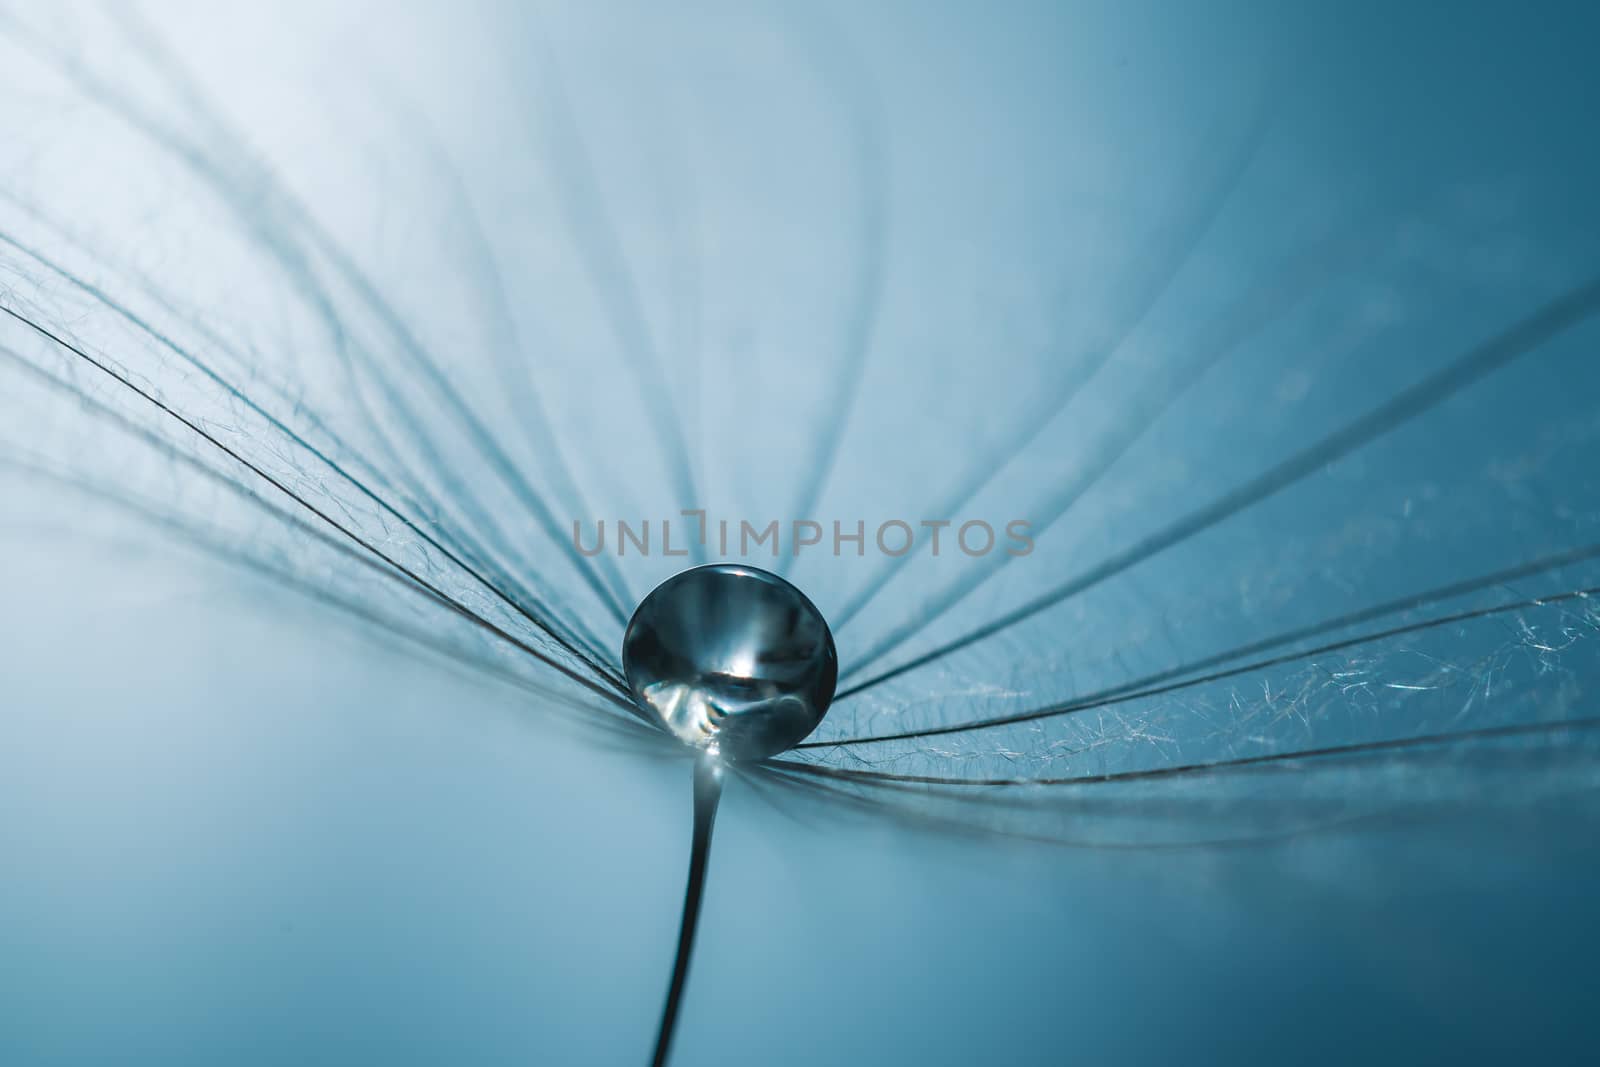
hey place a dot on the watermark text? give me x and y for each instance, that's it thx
(774, 538)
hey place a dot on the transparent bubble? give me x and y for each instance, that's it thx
(733, 658)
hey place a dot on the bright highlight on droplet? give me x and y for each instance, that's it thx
(732, 657)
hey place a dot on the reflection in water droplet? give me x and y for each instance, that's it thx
(731, 657)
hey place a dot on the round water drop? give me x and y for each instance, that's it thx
(733, 658)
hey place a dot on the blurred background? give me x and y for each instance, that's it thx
(326, 322)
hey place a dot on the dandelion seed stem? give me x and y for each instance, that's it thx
(707, 792)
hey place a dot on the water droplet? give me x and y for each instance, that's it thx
(731, 657)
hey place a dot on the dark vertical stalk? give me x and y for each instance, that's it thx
(707, 791)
